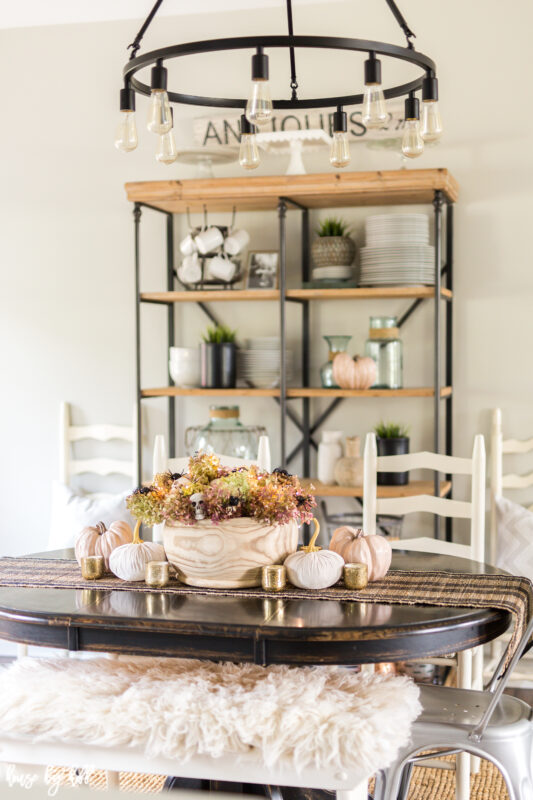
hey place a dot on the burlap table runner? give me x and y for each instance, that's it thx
(406, 587)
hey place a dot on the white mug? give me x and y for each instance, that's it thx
(190, 270)
(209, 240)
(187, 245)
(236, 242)
(221, 268)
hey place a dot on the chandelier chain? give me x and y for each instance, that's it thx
(135, 45)
(400, 19)
(294, 81)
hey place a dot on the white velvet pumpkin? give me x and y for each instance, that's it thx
(129, 561)
(314, 568)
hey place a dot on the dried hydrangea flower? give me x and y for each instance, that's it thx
(145, 504)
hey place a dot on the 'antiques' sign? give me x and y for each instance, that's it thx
(225, 130)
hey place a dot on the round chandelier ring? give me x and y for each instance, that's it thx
(253, 42)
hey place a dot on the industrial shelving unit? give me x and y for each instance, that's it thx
(302, 193)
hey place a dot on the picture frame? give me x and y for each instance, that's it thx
(263, 269)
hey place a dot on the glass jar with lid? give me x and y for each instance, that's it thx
(224, 434)
(385, 347)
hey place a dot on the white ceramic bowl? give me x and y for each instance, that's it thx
(184, 367)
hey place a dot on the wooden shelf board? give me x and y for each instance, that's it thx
(175, 391)
(211, 295)
(322, 190)
(418, 391)
(257, 295)
(409, 490)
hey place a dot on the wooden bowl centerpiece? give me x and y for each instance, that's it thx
(222, 525)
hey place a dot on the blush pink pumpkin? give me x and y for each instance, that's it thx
(97, 540)
(356, 548)
(354, 373)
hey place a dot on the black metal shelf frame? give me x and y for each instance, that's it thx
(442, 208)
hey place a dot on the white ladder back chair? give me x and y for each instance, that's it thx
(500, 481)
(469, 663)
(445, 507)
(69, 434)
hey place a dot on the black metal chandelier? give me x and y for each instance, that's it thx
(258, 108)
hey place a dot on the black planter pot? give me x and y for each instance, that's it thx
(218, 365)
(393, 447)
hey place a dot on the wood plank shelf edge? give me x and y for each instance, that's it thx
(262, 295)
(176, 391)
(409, 490)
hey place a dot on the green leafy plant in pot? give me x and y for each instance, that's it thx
(392, 440)
(218, 358)
(333, 247)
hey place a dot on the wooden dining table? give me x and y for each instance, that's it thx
(263, 631)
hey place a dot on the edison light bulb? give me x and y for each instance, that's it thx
(412, 142)
(166, 152)
(259, 105)
(431, 128)
(248, 154)
(126, 135)
(374, 111)
(339, 155)
(159, 114)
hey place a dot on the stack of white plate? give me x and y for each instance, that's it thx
(259, 363)
(397, 251)
(332, 273)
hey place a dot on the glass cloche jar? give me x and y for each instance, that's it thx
(224, 434)
(385, 347)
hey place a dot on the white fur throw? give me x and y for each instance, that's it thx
(310, 716)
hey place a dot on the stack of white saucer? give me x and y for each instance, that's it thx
(397, 251)
(259, 363)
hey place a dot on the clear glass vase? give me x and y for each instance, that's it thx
(336, 344)
(385, 347)
(224, 434)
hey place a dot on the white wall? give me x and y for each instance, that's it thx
(66, 229)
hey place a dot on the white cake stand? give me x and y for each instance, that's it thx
(293, 142)
(205, 158)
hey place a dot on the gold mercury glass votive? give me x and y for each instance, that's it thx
(273, 578)
(355, 576)
(157, 573)
(92, 567)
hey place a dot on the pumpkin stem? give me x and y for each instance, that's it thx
(136, 538)
(100, 527)
(311, 548)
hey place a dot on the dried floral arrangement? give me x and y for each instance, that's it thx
(222, 493)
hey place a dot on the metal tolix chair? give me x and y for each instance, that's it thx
(488, 724)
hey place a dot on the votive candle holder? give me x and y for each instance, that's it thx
(355, 576)
(274, 578)
(92, 567)
(157, 573)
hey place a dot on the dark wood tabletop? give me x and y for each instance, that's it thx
(268, 631)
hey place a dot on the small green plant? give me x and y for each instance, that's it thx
(332, 226)
(217, 334)
(391, 430)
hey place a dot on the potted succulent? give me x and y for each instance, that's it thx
(392, 440)
(333, 247)
(218, 358)
(223, 525)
